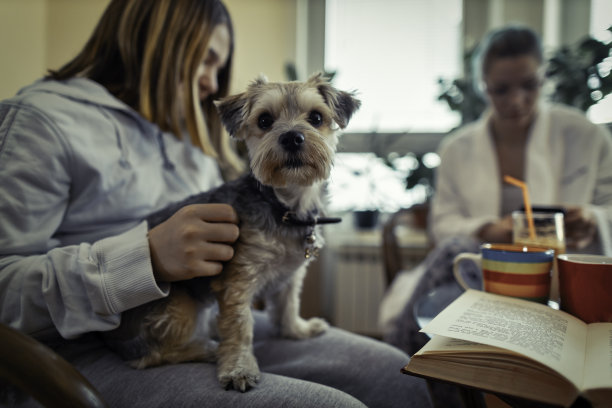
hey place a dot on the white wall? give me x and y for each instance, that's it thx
(69, 25)
(22, 46)
(265, 38)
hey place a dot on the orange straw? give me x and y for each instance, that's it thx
(523, 186)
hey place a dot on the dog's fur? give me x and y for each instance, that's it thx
(290, 133)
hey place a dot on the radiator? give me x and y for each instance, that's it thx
(358, 288)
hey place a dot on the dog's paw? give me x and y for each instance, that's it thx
(239, 379)
(304, 329)
(241, 375)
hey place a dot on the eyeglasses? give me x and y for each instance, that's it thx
(502, 90)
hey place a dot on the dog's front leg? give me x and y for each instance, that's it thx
(284, 309)
(236, 364)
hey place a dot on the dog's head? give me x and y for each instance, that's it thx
(289, 128)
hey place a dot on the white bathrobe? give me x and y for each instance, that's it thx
(568, 162)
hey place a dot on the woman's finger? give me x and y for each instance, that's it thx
(216, 252)
(219, 232)
(212, 212)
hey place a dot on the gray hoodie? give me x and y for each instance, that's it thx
(79, 171)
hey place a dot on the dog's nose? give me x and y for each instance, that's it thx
(291, 141)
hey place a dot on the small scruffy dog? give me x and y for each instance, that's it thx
(290, 133)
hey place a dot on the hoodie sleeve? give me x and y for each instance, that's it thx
(74, 289)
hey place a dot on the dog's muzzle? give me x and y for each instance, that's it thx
(291, 141)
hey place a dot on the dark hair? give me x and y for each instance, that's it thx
(512, 41)
(143, 50)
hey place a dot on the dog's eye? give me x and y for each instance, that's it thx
(315, 118)
(265, 121)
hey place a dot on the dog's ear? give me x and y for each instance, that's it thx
(232, 110)
(343, 104)
(261, 79)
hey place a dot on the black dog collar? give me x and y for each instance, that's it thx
(290, 218)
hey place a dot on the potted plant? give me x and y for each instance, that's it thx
(580, 76)
(365, 185)
(460, 94)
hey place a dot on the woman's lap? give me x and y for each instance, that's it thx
(336, 369)
(196, 385)
(366, 368)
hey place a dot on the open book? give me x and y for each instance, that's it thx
(520, 348)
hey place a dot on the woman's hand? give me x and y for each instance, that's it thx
(580, 227)
(497, 232)
(193, 242)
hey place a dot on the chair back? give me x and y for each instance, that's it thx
(38, 371)
(415, 218)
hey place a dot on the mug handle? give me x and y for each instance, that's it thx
(476, 258)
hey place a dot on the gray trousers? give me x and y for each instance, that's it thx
(336, 369)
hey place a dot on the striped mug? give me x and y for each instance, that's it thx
(511, 269)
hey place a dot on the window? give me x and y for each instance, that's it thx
(601, 19)
(393, 52)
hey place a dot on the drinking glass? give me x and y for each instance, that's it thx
(549, 233)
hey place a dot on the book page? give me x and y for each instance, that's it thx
(442, 344)
(549, 336)
(598, 371)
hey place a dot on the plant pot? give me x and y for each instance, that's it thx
(366, 219)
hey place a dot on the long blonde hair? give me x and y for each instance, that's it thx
(143, 50)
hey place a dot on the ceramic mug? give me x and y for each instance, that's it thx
(585, 283)
(509, 269)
